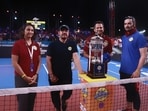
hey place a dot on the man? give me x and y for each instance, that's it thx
(132, 60)
(60, 54)
(107, 43)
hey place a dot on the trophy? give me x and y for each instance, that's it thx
(96, 67)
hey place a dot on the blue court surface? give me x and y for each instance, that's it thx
(7, 72)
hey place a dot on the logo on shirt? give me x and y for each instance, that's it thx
(34, 47)
(131, 39)
(69, 48)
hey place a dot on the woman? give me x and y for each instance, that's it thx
(26, 59)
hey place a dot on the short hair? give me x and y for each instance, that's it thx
(99, 22)
(132, 18)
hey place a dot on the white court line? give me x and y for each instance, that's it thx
(144, 73)
(45, 68)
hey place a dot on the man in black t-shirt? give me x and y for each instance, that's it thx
(60, 54)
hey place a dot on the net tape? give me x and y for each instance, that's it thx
(41, 89)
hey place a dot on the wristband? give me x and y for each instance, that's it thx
(24, 75)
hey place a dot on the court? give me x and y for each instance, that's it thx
(7, 72)
(43, 101)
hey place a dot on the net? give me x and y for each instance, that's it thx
(94, 96)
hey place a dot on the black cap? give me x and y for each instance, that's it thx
(63, 27)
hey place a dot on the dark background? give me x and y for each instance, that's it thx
(86, 11)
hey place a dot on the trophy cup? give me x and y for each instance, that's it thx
(96, 67)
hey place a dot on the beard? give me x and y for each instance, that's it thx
(129, 28)
(63, 38)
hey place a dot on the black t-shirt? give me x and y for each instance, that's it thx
(61, 54)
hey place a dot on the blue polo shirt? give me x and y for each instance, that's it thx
(130, 51)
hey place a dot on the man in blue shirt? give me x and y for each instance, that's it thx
(132, 60)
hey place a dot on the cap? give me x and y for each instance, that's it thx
(63, 27)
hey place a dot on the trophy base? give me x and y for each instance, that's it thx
(96, 77)
(97, 70)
